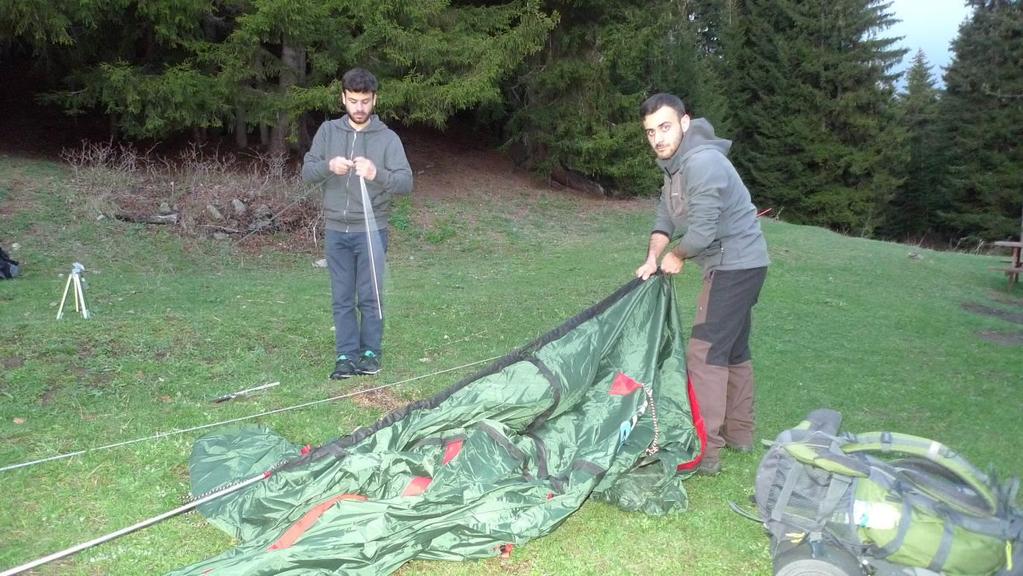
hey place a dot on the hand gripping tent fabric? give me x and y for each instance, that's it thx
(599, 407)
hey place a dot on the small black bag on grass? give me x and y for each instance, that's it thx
(8, 267)
(882, 503)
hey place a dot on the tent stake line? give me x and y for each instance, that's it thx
(233, 420)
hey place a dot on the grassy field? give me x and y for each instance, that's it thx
(875, 330)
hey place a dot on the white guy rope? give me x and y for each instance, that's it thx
(233, 420)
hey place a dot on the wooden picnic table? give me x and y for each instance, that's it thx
(1016, 265)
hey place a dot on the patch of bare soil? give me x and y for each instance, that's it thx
(447, 167)
(385, 400)
(1005, 298)
(1003, 338)
(450, 166)
(1007, 315)
(12, 362)
(995, 336)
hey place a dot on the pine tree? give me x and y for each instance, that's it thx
(37, 23)
(577, 104)
(913, 211)
(982, 120)
(249, 65)
(134, 62)
(812, 98)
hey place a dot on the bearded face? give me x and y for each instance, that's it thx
(359, 106)
(664, 130)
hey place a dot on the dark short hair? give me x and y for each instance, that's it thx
(658, 101)
(359, 80)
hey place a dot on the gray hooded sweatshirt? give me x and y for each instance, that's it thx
(704, 201)
(342, 195)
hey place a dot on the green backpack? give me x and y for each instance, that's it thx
(883, 503)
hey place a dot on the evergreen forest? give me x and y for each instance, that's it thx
(825, 130)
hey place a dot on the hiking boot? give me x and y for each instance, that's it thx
(369, 363)
(343, 368)
(708, 468)
(742, 448)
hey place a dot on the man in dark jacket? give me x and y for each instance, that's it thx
(704, 201)
(361, 165)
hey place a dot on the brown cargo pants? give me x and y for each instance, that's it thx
(718, 357)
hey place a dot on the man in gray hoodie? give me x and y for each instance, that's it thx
(361, 165)
(704, 202)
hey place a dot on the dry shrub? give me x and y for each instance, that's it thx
(189, 191)
(103, 173)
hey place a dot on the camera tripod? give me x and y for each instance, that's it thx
(75, 278)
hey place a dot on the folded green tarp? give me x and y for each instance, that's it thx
(599, 407)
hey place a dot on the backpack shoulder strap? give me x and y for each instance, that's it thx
(936, 452)
(825, 451)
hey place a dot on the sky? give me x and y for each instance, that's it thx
(930, 25)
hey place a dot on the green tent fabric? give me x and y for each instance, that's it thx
(599, 407)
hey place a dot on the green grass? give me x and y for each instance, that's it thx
(851, 324)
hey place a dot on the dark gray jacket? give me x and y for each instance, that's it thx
(705, 202)
(342, 195)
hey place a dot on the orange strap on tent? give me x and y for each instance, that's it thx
(291, 535)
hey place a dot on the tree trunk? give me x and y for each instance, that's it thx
(577, 181)
(292, 73)
(305, 137)
(241, 129)
(278, 133)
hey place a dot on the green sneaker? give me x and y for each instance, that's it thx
(343, 368)
(369, 363)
